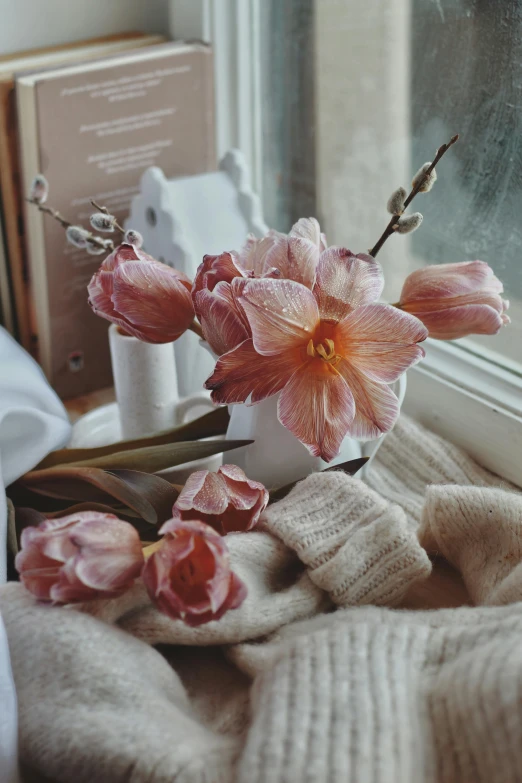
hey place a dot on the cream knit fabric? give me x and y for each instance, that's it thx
(306, 681)
(357, 547)
(411, 458)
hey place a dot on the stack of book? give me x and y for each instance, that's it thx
(90, 117)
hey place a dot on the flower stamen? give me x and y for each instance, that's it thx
(325, 349)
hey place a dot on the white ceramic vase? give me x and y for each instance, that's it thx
(277, 457)
(146, 386)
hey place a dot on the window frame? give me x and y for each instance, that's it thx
(459, 391)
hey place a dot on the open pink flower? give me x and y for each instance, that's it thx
(227, 500)
(79, 557)
(330, 352)
(454, 300)
(220, 279)
(291, 257)
(147, 299)
(189, 577)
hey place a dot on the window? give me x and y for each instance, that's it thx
(336, 103)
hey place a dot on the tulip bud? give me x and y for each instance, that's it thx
(102, 222)
(147, 299)
(227, 500)
(77, 236)
(408, 224)
(396, 201)
(429, 181)
(133, 237)
(455, 300)
(39, 189)
(79, 557)
(189, 577)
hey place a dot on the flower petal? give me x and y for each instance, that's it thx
(380, 341)
(40, 582)
(214, 269)
(222, 325)
(152, 299)
(234, 473)
(110, 555)
(376, 406)
(282, 314)
(242, 493)
(440, 281)
(258, 256)
(317, 406)
(303, 257)
(308, 228)
(109, 571)
(205, 492)
(344, 282)
(305, 244)
(452, 323)
(243, 371)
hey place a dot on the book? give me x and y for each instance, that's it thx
(10, 186)
(92, 130)
(6, 305)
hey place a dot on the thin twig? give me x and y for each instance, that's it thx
(390, 228)
(105, 211)
(94, 240)
(50, 211)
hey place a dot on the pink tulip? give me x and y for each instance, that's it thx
(79, 557)
(454, 300)
(220, 279)
(189, 577)
(227, 500)
(330, 351)
(149, 300)
(222, 320)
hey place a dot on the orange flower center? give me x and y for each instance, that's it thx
(324, 349)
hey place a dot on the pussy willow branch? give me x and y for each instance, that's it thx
(390, 228)
(105, 211)
(94, 240)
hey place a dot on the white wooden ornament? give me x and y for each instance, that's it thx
(184, 218)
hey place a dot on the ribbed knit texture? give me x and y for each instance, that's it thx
(411, 458)
(479, 531)
(289, 688)
(394, 698)
(358, 548)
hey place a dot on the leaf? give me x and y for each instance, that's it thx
(150, 496)
(351, 467)
(120, 511)
(207, 426)
(12, 538)
(153, 458)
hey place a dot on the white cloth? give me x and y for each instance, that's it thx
(8, 715)
(33, 422)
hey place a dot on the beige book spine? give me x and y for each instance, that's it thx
(34, 229)
(12, 208)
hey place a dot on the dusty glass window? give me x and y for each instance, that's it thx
(357, 95)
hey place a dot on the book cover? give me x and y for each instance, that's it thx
(6, 306)
(10, 185)
(92, 131)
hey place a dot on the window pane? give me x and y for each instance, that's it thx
(359, 95)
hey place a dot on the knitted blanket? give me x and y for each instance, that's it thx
(380, 643)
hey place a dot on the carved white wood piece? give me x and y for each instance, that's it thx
(184, 218)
